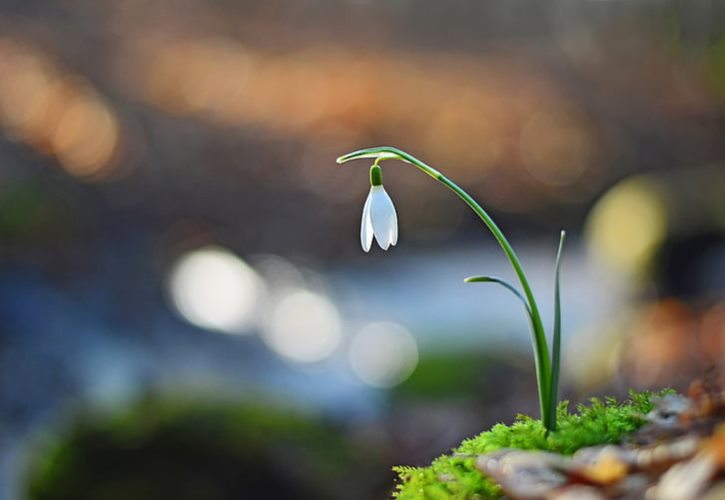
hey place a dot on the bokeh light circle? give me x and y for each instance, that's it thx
(627, 224)
(214, 289)
(303, 326)
(383, 354)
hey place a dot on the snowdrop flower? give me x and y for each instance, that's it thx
(378, 218)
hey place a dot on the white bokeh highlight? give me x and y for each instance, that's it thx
(383, 354)
(214, 289)
(303, 326)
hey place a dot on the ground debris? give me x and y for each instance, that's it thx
(525, 474)
(678, 455)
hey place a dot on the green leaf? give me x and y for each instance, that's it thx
(556, 343)
(508, 286)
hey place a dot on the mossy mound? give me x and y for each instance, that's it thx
(455, 476)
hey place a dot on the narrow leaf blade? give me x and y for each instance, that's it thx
(556, 342)
(508, 286)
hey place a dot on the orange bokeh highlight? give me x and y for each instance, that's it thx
(670, 342)
(467, 109)
(57, 113)
(86, 136)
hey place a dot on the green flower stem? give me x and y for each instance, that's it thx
(538, 337)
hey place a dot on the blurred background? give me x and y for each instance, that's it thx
(185, 310)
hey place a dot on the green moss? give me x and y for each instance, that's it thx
(455, 476)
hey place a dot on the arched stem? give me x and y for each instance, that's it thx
(538, 335)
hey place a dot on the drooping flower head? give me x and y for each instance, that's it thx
(379, 218)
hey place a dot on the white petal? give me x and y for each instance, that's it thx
(383, 217)
(394, 227)
(366, 226)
